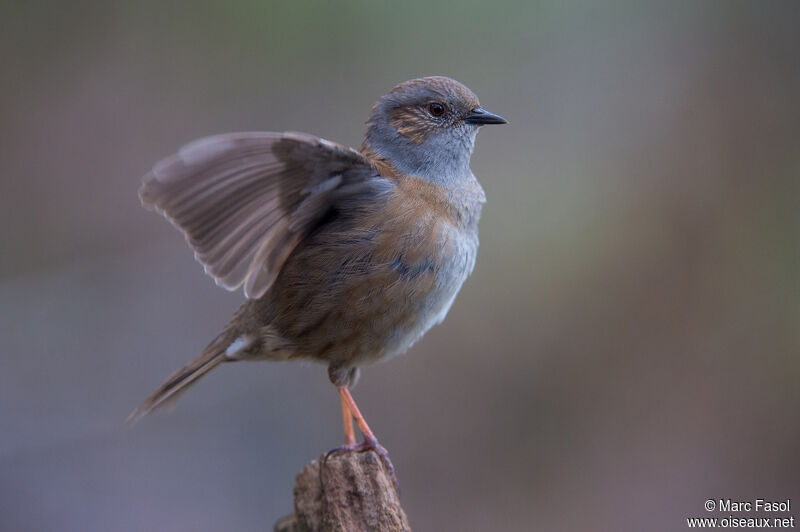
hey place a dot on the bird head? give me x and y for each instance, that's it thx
(426, 127)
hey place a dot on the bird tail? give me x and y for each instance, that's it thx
(180, 381)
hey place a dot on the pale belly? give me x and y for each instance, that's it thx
(432, 309)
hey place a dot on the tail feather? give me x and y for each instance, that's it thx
(180, 381)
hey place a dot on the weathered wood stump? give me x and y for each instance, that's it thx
(347, 492)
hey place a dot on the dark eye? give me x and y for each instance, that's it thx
(436, 109)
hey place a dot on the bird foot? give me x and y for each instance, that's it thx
(370, 444)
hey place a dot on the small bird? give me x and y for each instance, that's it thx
(346, 257)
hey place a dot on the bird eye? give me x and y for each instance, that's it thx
(436, 109)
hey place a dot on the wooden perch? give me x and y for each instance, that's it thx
(346, 492)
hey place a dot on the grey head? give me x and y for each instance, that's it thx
(426, 127)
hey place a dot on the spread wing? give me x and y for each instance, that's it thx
(245, 200)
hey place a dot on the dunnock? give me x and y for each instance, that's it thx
(347, 257)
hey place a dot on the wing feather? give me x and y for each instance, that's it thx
(245, 200)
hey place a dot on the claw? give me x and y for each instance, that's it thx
(370, 444)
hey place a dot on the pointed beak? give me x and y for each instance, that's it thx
(481, 117)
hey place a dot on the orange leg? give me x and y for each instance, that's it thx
(350, 403)
(349, 433)
(350, 411)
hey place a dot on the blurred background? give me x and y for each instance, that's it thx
(628, 346)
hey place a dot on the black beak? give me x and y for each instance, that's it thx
(481, 116)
